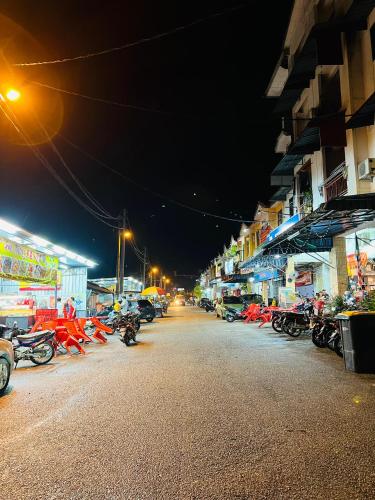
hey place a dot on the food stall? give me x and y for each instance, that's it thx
(35, 274)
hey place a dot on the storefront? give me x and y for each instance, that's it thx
(36, 274)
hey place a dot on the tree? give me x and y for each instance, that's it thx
(198, 292)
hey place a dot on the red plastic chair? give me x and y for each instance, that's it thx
(81, 322)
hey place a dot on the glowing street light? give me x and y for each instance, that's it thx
(128, 234)
(13, 95)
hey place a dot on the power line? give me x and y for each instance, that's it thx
(136, 43)
(154, 193)
(104, 101)
(48, 166)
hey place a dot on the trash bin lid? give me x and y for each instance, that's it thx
(355, 313)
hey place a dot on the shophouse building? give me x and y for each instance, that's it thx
(323, 87)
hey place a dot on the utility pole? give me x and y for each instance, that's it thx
(122, 253)
(144, 267)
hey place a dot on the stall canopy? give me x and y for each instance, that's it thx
(27, 257)
(98, 289)
(314, 232)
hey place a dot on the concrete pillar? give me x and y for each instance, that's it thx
(290, 274)
(338, 273)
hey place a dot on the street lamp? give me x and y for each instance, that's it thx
(13, 95)
(127, 234)
(154, 272)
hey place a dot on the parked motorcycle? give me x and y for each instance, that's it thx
(127, 325)
(209, 307)
(37, 347)
(294, 323)
(233, 314)
(326, 334)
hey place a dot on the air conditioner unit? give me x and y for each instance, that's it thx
(366, 169)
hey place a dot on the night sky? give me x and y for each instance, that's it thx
(212, 149)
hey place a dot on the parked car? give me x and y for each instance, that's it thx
(146, 310)
(252, 298)
(223, 303)
(6, 364)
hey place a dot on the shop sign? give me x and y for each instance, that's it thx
(304, 278)
(246, 270)
(283, 227)
(287, 296)
(352, 263)
(268, 274)
(22, 263)
(228, 266)
(264, 232)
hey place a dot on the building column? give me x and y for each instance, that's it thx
(290, 274)
(338, 271)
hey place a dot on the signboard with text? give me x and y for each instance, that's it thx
(22, 263)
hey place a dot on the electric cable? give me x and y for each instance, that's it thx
(154, 193)
(43, 160)
(104, 213)
(104, 101)
(135, 43)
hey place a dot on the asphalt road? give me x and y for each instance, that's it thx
(200, 408)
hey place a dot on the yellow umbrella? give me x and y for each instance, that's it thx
(153, 290)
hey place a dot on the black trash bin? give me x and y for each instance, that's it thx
(358, 340)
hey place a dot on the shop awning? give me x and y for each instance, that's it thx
(286, 164)
(365, 115)
(98, 289)
(314, 233)
(235, 278)
(322, 47)
(265, 261)
(307, 142)
(280, 193)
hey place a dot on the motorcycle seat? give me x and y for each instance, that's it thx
(32, 336)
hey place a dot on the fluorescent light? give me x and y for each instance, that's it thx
(9, 228)
(71, 255)
(17, 239)
(80, 259)
(48, 251)
(59, 250)
(277, 256)
(40, 241)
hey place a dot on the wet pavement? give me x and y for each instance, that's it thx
(200, 408)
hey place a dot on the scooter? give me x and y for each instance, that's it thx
(37, 347)
(209, 307)
(234, 314)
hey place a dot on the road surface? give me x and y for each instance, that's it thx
(200, 408)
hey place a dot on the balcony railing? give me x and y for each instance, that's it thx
(336, 184)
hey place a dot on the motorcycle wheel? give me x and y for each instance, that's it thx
(285, 326)
(277, 325)
(137, 325)
(229, 318)
(149, 320)
(318, 340)
(288, 328)
(49, 353)
(337, 345)
(4, 375)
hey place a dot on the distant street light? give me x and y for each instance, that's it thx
(128, 234)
